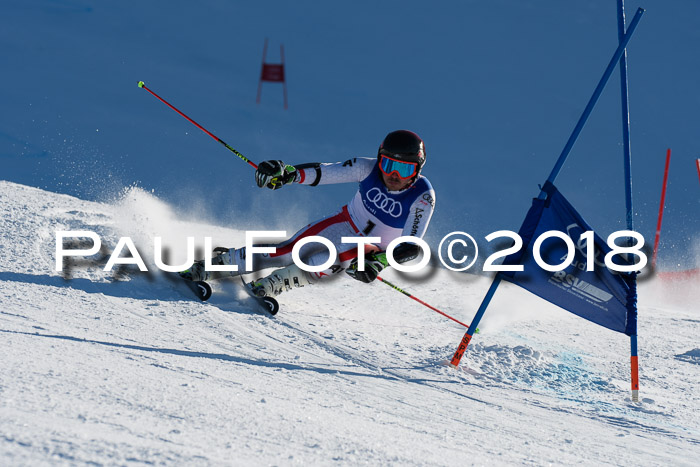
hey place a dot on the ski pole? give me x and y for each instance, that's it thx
(420, 301)
(245, 159)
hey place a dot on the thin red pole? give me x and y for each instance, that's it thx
(420, 301)
(245, 159)
(697, 162)
(661, 209)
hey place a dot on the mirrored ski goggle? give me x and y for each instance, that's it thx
(402, 169)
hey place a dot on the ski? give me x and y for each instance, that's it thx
(200, 288)
(203, 290)
(269, 304)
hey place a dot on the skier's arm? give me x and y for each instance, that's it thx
(352, 170)
(275, 174)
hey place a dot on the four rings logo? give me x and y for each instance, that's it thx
(384, 203)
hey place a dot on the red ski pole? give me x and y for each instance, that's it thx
(420, 301)
(245, 159)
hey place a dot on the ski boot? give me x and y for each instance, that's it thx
(279, 281)
(197, 272)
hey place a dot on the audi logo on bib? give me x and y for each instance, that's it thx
(384, 203)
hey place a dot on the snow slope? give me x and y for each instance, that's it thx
(126, 368)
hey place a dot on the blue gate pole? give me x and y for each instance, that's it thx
(625, 115)
(634, 364)
(624, 39)
(475, 322)
(553, 175)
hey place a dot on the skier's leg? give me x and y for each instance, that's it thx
(332, 228)
(237, 256)
(293, 276)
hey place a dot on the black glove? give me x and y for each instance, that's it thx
(274, 174)
(374, 263)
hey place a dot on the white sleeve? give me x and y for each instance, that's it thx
(352, 170)
(420, 214)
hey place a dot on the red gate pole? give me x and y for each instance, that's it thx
(284, 81)
(661, 210)
(262, 70)
(273, 73)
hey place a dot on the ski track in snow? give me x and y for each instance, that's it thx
(127, 367)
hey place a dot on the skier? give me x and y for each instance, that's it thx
(393, 200)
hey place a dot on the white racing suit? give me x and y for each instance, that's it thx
(373, 212)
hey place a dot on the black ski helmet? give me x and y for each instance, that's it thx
(405, 146)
